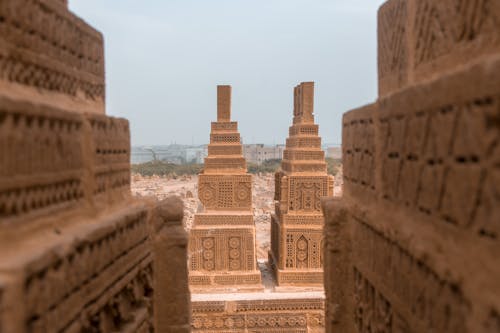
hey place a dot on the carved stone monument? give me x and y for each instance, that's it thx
(76, 249)
(222, 240)
(413, 245)
(297, 226)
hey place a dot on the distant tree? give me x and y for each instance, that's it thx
(266, 166)
(163, 168)
(333, 165)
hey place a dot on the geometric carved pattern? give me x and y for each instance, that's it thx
(372, 312)
(416, 295)
(107, 274)
(222, 248)
(392, 45)
(295, 315)
(222, 239)
(44, 158)
(76, 250)
(306, 193)
(225, 192)
(296, 228)
(69, 62)
(427, 153)
(451, 24)
(358, 150)
(419, 40)
(208, 253)
(417, 229)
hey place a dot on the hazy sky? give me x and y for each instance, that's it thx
(164, 59)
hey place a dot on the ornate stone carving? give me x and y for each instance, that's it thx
(76, 250)
(222, 240)
(44, 46)
(421, 40)
(292, 315)
(297, 226)
(416, 231)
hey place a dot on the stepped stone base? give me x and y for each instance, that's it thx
(273, 310)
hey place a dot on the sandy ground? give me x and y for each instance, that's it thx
(186, 188)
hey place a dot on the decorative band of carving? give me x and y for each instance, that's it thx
(358, 150)
(221, 163)
(225, 126)
(303, 142)
(42, 162)
(428, 147)
(303, 129)
(123, 245)
(295, 304)
(226, 220)
(222, 279)
(226, 149)
(303, 166)
(406, 282)
(316, 220)
(289, 154)
(291, 323)
(419, 40)
(303, 278)
(45, 46)
(225, 138)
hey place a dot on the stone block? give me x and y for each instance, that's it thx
(223, 103)
(51, 55)
(420, 41)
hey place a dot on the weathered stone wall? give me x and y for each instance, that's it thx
(77, 252)
(419, 40)
(413, 244)
(51, 55)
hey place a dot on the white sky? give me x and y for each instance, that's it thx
(164, 59)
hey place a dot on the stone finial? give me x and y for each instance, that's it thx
(303, 103)
(307, 100)
(224, 103)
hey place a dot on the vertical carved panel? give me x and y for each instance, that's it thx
(208, 253)
(372, 312)
(448, 25)
(393, 46)
(235, 254)
(301, 252)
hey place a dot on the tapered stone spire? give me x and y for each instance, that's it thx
(222, 242)
(297, 225)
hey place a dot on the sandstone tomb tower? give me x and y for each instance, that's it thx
(222, 240)
(297, 225)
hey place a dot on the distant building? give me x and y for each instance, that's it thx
(174, 153)
(258, 153)
(196, 154)
(334, 152)
(141, 155)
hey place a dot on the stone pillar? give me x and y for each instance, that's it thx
(223, 103)
(172, 310)
(307, 101)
